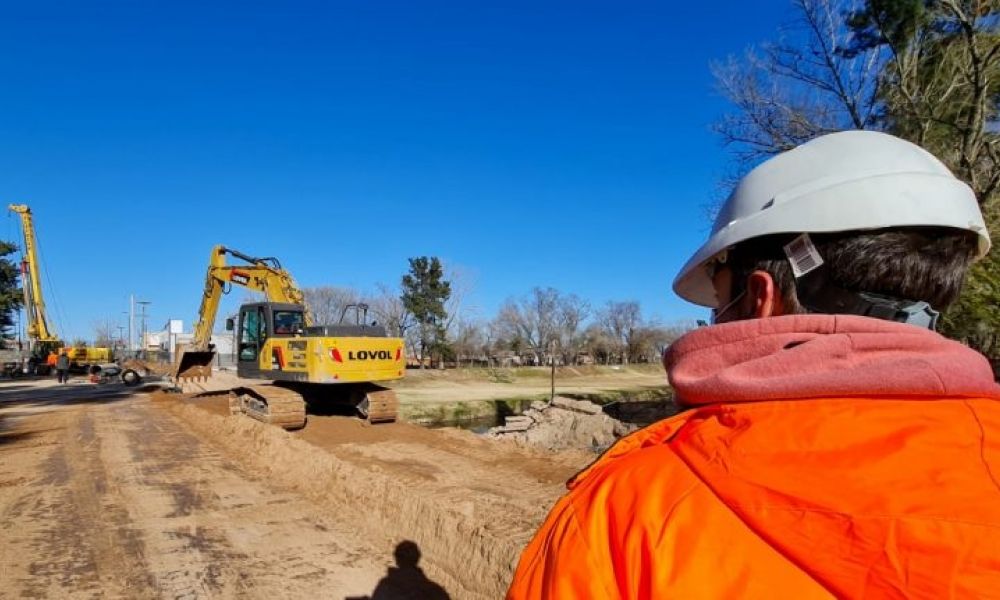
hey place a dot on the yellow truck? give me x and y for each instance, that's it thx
(89, 355)
(277, 341)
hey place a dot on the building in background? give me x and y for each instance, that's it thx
(172, 334)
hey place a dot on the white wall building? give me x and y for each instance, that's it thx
(173, 333)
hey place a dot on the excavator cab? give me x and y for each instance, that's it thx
(258, 323)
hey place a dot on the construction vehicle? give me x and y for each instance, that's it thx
(276, 340)
(42, 341)
(43, 344)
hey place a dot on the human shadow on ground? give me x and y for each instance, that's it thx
(406, 581)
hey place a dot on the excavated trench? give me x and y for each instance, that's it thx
(471, 504)
(471, 501)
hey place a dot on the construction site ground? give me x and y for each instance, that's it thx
(108, 491)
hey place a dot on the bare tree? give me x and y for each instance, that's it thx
(620, 321)
(651, 340)
(494, 341)
(543, 306)
(790, 91)
(536, 320)
(468, 341)
(572, 312)
(513, 323)
(463, 284)
(327, 303)
(507, 331)
(388, 308)
(104, 332)
(598, 344)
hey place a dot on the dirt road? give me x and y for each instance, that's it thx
(105, 494)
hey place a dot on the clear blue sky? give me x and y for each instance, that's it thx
(531, 143)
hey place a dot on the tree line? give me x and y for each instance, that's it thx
(544, 325)
(11, 296)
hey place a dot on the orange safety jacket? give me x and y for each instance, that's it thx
(823, 456)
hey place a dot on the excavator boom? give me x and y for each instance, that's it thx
(258, 274)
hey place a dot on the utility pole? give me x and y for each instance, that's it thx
(233, 350)
(552, 357)
(131, 320)
(126, 346)
(142, 318)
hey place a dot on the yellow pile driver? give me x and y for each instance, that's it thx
(276, 340)
(44, 345)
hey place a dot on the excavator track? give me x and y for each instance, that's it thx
(270, 404)
(379, 406)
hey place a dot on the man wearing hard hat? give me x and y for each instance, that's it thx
(834, 445)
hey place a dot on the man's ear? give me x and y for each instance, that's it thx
(764, 295)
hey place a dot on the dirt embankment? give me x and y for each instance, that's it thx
(470, 504)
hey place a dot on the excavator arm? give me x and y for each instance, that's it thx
(263, 275)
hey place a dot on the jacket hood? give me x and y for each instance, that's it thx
(817, 356)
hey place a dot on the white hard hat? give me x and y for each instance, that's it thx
(847, 181)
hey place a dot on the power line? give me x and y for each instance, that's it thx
(58, 315)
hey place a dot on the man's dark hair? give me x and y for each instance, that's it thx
(915, 263)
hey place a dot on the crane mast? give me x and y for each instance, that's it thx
(34, 302)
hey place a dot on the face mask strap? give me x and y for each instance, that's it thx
(718, 312)
(818, 295)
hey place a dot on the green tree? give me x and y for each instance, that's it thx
(10, 293)
(424, 293)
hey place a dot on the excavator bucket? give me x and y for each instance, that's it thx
(194, 365)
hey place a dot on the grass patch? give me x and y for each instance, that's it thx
(443, 413)
(516, 374)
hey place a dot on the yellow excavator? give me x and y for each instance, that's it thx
(44, 345)
(277, 341)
